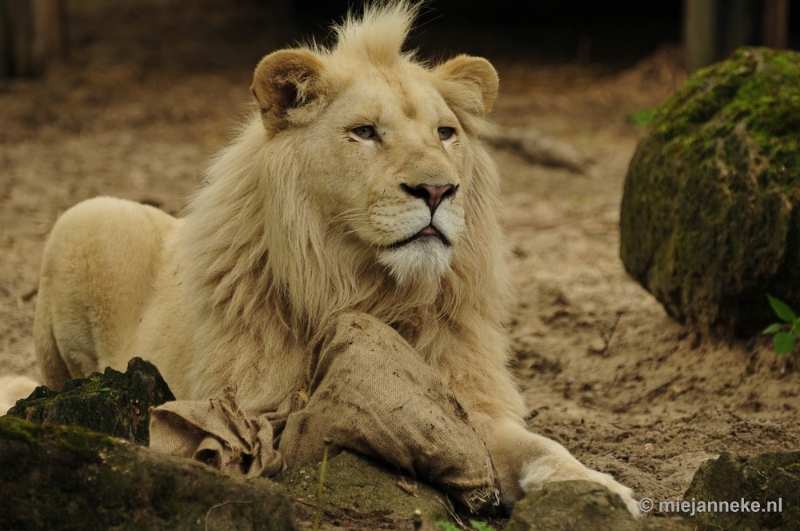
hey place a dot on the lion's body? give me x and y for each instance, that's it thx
(301, 218)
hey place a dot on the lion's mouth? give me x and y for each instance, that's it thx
(428, 232)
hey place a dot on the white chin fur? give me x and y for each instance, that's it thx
(423, 260)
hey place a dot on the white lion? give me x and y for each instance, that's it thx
(361, 184)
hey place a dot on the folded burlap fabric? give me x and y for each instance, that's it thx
(217, 433)
(369, 391)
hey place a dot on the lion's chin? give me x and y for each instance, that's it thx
(423, 260)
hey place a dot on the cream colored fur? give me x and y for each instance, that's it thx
(297, 221)
(13, 388)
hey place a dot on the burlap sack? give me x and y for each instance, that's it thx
(217, 433)
(372, 393)
(369, 392)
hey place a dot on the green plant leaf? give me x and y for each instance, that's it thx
(642, 118)
(480, 526)
(446, 526)
(773, 328)
(784, 343)
(782, 309)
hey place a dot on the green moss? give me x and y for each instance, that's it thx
(75, 439)
(18, 430)
(82, 388)
(83, 441)
(707, 214)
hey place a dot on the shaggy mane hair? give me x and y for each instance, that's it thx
(378, 36)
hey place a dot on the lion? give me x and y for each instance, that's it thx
(361, 183)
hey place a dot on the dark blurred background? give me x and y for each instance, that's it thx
(614, 34)
(586, 31)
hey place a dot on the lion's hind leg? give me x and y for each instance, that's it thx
(76, 357)
(51, 364)
(97, 275)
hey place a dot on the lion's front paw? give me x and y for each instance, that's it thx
(621, 490)
(542, 471)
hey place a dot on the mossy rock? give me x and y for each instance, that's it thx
(362, 492)
(569, 505)
(709, 221)
(765, 479)
(113, 403)
(63, 477)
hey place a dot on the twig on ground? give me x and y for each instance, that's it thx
(208, 513)
(321, 485)
(540, 149)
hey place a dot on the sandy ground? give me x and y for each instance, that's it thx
(603, 369)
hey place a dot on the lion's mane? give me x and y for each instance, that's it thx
(262, 258)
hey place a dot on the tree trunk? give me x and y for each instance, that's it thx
(776, 24)
(32, 32)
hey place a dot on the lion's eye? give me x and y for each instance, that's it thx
(446, 132)
(365, 131)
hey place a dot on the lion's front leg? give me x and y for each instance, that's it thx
(526, 461)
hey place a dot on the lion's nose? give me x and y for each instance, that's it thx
(432, 194)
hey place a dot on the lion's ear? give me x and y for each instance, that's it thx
(470, 84)
(289, 88)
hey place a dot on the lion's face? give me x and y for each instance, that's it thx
(389, 166)
(392, 174)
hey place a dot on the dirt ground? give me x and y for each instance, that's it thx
(147, 97)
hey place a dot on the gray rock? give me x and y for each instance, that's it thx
(361, 490)
(710, 219)
(61, 477)
(765, 478)
(112, 403)
(571, 505)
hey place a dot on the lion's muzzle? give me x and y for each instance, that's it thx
(428, 232)
(432, 194)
